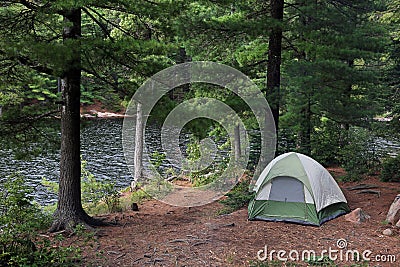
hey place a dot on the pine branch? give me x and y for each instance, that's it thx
(110, 22)
(23, 60)
(29, 4)
(101, 25)
(30, 119)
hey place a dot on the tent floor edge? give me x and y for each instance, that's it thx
(285, 220)
(333, 211)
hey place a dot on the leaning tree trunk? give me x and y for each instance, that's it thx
(69, 207)
(274, 60)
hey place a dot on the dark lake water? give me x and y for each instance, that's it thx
(102, 149)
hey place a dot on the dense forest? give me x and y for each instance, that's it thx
(330, 71)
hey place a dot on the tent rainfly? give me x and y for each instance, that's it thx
(296, 188)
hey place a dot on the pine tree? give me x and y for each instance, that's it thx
(63, 38)
(334, 46)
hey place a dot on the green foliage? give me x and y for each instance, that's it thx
(237, 198)
(274, 263)
(27, 132)
(326, 142)
(321, 261)
(42, 88)
(157, 159)
(358, 156)
(206, 176)
(286, 140)
(93, 191)
(193, 150)
(139, 196)
(87, 97)
(158, 187)
(390, 169)
(20, 222)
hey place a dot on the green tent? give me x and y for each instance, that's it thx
(296, 188)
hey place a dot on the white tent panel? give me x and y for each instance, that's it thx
(307, 195)
(264, 193)
(325, 189)
(267, 169)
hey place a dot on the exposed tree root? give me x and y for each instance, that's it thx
(68, 222)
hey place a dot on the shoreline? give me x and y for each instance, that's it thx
(97, 111)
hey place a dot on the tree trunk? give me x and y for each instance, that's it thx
(69, 211)
(345, 125)
(138, 146)
(237, 145)
(274, 60)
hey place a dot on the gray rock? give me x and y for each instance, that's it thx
(388, 232)
(393, 215)
(357, 216)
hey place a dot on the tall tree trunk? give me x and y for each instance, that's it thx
(138, 158)
(69, 207)
(274, 60)
(178, 94)
(237, 144)
(345, 125)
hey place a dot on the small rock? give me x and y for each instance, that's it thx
(212, 226)
(134, 207)
(357, 216)
(388, 232)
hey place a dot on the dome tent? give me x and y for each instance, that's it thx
(296, 188)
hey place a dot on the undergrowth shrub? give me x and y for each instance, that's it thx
(359, 154)
(390, 169)
(326, 142)
(93, 191)
(273, 263)
(139, 196)
(237, 198)
(20, 222)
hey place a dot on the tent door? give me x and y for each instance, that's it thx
(288, 193)
(287, 189)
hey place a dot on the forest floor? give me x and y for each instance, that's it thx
(163, 235)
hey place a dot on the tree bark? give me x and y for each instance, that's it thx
(138, 159)
(69, 211)
(274, 60)
(237, 145)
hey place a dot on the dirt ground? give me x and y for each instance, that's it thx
(163, 235)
